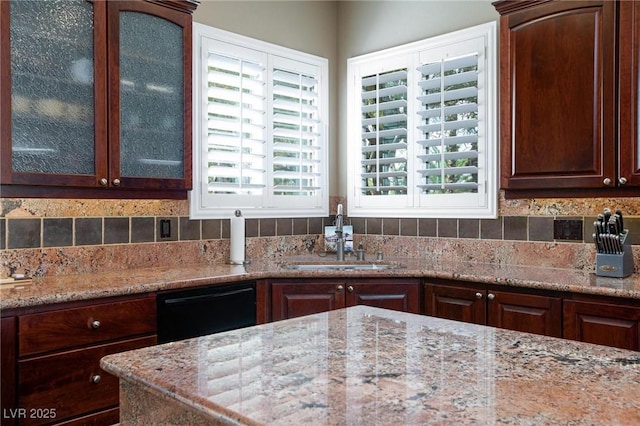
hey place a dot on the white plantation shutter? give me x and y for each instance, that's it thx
(449, 129)
(422, 130)
(259, 129)
(236, 125)
(297, 132)
(384, 133)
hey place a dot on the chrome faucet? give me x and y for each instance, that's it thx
(339, 234)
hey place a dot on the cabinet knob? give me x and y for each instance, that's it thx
(95, 324)
(491, 296)
(340, 287)
(607, 181)
(622, 180)
(116, 182)
(104, 182)
(350, 289)
(96, 379)
(478, 295)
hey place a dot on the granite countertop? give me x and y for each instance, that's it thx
(366, 365)
(65, 288)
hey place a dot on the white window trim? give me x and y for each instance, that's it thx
(414, 204)
(272, 206)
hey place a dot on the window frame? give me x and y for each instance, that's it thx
(415, 203)
(268, 205)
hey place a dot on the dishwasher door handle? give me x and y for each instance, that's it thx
(206, 297)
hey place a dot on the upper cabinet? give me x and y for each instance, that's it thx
(96, 98)
(629, 55)
(561, 129)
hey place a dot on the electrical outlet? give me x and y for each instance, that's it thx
(567, 229)
(165, 228)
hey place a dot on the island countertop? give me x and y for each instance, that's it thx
(365, 365)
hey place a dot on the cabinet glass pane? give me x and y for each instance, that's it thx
(52, 98)
(151, 97)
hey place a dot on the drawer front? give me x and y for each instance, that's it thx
(66, 328)
(71, 383)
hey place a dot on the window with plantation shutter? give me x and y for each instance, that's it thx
(422, 132)
(260, 128)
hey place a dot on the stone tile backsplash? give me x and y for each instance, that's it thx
(52, 236)
(20, 233)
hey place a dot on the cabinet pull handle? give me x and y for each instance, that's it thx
(478, 295)
(491, 296)
(96, 379)
(340, 287)
(104, 182)
(622, 180)
(116, 182)
(95, 324)
(350, 289)
(607, 181)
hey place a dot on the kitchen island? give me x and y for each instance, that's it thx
(366, 365)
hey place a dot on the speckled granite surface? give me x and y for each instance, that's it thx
(65, 288)
(370, 366)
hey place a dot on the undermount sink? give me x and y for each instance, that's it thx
(343, 267)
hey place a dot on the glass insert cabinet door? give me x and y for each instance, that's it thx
(153, 62)
(96, 94)
(52, 133)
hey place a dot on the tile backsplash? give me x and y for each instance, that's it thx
(45, 236)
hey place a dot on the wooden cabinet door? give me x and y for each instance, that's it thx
(525, 312)
(557, 91)
(52, 94)
(399, 296)
(71, 382)
(8, 358)
(150, 61)
(629, 140)
(456, 303)
(290, 300)
(602, 323)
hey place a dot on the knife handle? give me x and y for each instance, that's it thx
(620, 220)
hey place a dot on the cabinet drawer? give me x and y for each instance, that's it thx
(66, 328)
(71, 383)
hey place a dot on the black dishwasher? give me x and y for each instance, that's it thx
(199, 311)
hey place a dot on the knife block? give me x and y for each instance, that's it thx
(616, 265)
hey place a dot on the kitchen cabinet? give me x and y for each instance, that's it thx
(604, 322)
(294, 298)
(7, 370)
(558, 113)
(58, 352)
(476, 303)
(100, 107)
(628, 94)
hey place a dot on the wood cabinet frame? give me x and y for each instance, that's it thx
(107, 113)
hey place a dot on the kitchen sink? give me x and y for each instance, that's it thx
(342, 266)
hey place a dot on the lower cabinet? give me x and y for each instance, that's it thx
(612, 323)
(481, 304)
(295, 297)
(8, 355)
(57, 361)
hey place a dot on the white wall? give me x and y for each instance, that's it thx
(338, 30)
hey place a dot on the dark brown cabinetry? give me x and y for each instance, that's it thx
(102, 110)
(8, 349)
(475, 303)
(628, 95)
(294, 298)
(612, 323)
(58, 352)
(558, 96)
